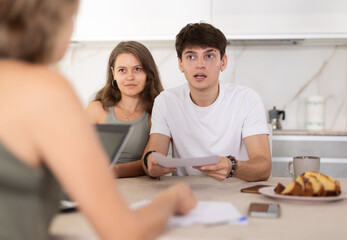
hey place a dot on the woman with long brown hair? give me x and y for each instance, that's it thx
(46, 139)
(132, 83)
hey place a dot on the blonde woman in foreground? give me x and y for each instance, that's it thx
(46, 139)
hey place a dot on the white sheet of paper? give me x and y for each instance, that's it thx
(184, 162)
(207, 213)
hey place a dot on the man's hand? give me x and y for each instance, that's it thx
(217, 171)
(155, 170)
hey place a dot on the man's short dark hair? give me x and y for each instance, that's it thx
(200, 35)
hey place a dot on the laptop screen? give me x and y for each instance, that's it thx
(113, 138)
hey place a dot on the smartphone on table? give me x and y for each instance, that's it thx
(264, 210)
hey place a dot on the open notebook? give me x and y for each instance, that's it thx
(113, 138)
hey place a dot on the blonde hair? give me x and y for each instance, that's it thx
(29, 28)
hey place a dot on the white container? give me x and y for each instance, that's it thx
(315, 113)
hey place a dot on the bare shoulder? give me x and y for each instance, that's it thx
(32, 86)
(96, 113)
(34, 81)
(95, 106)
(35, 100)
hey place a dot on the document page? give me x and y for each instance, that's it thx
(184, 162)
(207, 213)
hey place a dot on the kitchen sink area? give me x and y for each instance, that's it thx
(331, 147)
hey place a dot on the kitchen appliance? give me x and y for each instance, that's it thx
(274, 118)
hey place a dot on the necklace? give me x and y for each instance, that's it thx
(127, 117)
(126, 114)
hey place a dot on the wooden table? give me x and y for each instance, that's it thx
(298, 220)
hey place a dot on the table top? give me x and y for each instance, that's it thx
(298, 220)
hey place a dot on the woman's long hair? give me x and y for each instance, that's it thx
(110, 94)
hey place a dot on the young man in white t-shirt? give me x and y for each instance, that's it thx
(206, 117)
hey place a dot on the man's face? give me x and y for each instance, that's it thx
(201, 67)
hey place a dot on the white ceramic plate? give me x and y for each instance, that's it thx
(269, 192)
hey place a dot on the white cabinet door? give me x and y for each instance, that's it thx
(137, 19)
(280, 17)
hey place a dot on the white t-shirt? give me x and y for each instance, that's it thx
(218, 129)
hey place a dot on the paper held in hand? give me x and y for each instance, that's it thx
(184, 162)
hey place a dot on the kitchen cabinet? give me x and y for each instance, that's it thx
(285, 19)
(112, 20)
(332, 149)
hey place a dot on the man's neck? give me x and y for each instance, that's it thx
(206, 97)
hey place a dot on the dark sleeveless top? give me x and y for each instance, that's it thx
(29, 198)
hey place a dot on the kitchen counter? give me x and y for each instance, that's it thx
(331, 147)
(310, 133)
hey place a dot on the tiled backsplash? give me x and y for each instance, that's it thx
(283, 75)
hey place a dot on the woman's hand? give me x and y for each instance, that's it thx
(186, 200)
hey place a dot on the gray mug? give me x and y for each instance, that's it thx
(302, 164)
